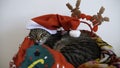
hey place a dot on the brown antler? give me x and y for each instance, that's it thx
(78, 3)
(69, 6)
(99, 18)
(75, 11)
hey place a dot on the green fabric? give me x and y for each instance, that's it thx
(31, 57)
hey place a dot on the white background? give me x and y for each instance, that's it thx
(14, 15)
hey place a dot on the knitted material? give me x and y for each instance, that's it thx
(19, 57)
(37, 53)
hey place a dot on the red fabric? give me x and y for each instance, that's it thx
(59, 59)
(82, 16)
(95, 28)
(18, 59)
(54, 21)
(88, 17)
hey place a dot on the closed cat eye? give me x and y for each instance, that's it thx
(42, 35)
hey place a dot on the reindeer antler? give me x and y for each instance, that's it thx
(99, 18)
(78, 4)
(69, 6)
(75, 11)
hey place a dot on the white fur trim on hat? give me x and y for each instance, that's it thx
(32, 25)
(74, 33)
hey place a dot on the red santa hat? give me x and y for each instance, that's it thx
(52, 22)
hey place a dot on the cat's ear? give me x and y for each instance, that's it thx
(75, 33)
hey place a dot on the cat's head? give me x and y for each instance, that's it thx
(39, 35)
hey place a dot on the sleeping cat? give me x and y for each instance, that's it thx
(76, 50)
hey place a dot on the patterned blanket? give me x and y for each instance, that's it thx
(108, 58)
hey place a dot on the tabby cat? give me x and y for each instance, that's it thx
(39, 35)
(76, 50)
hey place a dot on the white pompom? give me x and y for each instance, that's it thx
(74, 33)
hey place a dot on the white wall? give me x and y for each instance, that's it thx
(15, 13)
